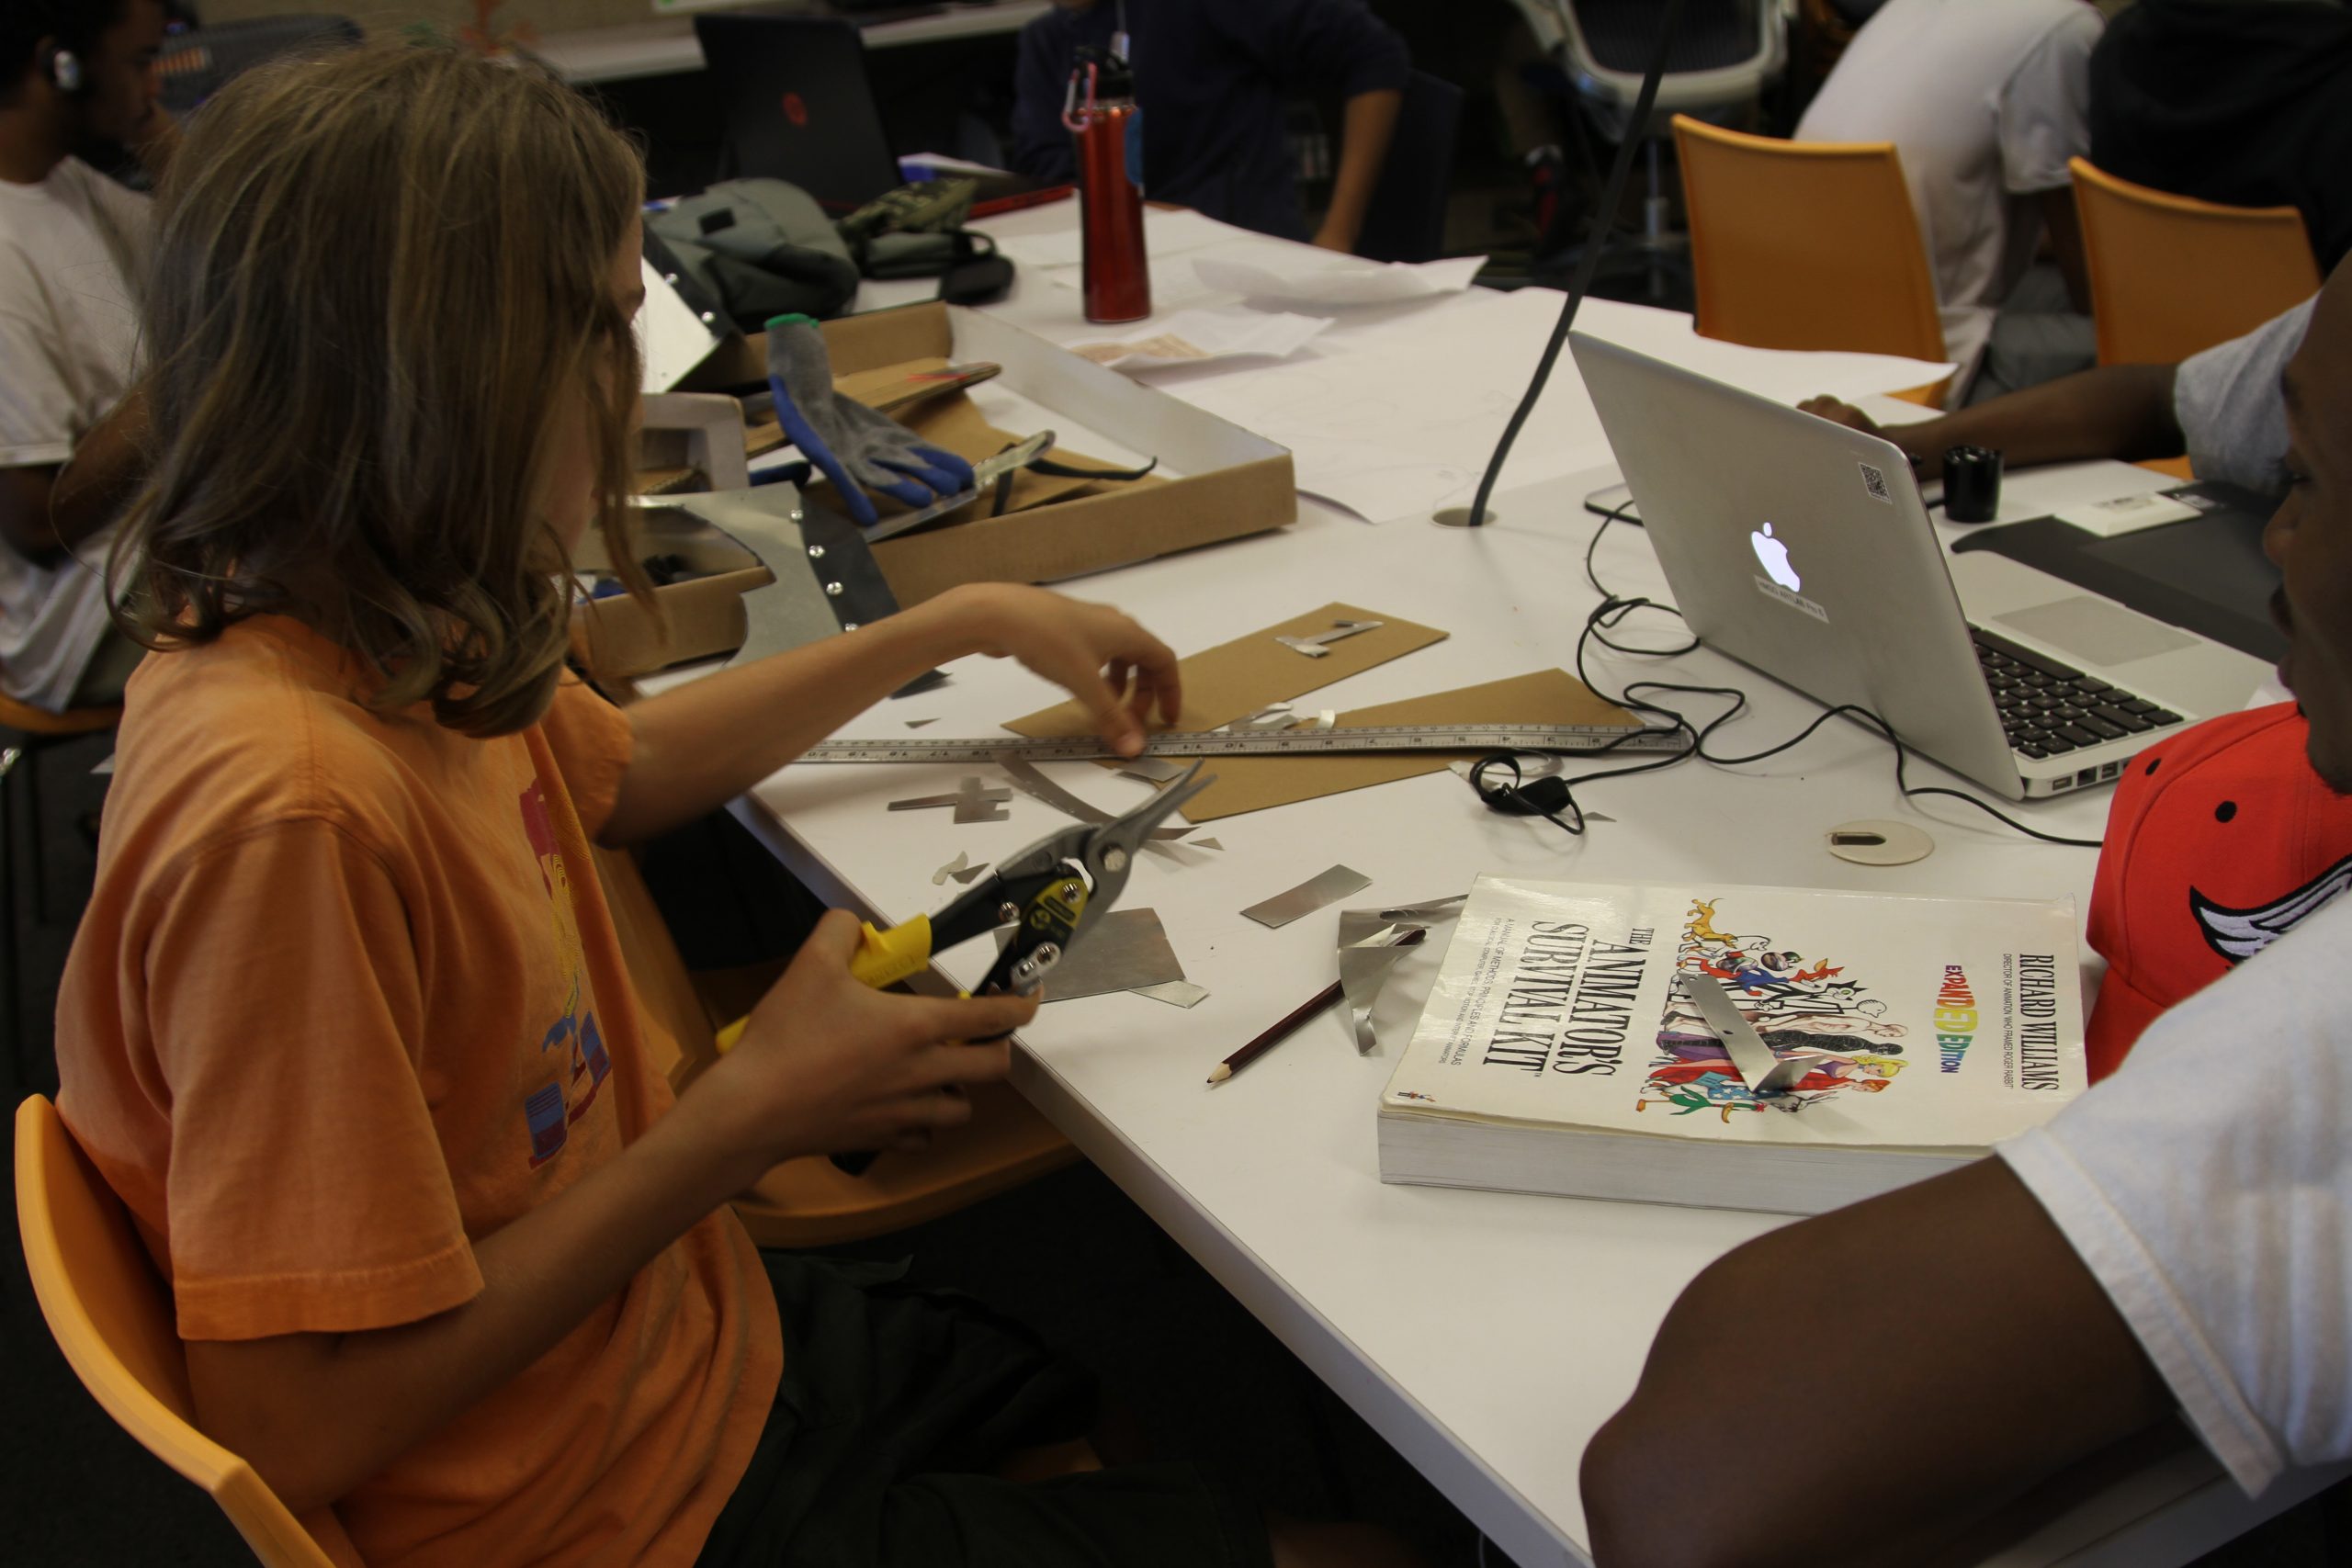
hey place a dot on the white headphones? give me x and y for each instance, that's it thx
(65, 70)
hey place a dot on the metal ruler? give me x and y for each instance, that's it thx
(1263, 743)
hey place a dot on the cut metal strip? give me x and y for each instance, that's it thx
(1764, 1072)
(1038, 787)
(1368, 954)
(1327, 887)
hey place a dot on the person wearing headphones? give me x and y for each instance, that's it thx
(73, 73)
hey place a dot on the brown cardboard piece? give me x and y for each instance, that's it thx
(703, 616)
(1546, 696)
(1236, 679)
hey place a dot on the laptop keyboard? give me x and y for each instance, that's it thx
(2049, 708)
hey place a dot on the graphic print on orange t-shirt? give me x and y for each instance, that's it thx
(550, 1111)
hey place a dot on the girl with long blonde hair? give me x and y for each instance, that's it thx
(346, 1025)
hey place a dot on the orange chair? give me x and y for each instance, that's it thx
(2170, 276)
(113, 1320)
(809, 1202)
(1806, 245)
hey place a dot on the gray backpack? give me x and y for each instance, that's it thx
(755, 248)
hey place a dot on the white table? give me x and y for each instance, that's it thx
(1486, 1335)
(667, 46)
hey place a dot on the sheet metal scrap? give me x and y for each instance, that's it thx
(1368, 954)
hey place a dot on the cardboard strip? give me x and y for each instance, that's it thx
(1236, 679)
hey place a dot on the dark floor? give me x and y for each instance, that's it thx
(1068, 1254)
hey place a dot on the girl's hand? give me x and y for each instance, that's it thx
(826, 1064)
(1117, 671)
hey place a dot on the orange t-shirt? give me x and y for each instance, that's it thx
(347, 999)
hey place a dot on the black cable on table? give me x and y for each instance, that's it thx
(1553, 799)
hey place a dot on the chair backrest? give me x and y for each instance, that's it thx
(26, 719)
(2171, 276)
(113, 1320)
(1405, 221)
(1805, 245)
(1723, 53)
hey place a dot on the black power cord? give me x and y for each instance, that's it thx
(1553, 798)
(1636, 129)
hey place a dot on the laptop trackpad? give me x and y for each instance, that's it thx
(2098, 632)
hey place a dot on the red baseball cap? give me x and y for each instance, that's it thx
(2219, 841)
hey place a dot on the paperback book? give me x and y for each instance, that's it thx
(1560, 1053)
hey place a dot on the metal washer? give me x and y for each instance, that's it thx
(1873, 842)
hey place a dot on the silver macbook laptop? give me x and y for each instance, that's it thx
(1802, 547)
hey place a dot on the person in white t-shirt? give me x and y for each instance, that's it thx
(73, 244)
(1984, 100)
(2176, 1243)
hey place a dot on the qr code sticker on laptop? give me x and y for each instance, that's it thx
(1875, 482)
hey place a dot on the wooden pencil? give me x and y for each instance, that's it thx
(1297, 1016)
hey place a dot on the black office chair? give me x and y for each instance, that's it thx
(1724, 55)
(1406, 220)
(199, 62)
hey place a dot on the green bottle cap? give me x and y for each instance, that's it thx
(775, 322)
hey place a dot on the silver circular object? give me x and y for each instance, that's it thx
(816, 552)
(1877, 843)
(1041, 958)
(834, 590)
(1114, 860)
(1459, 517)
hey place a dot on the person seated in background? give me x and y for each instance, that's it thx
(2176, 1242)
(72, 247)
(1984, 100)
(2228, 102)
(2222, 408)
(1212, 78)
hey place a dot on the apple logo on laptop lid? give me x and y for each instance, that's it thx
(1775, 557)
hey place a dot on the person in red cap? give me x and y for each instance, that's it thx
(2173, 1244)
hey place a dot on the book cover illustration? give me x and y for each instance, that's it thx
(1924, 1022)
(1801, 1007)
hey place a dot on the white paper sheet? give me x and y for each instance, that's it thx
(1323, 279)
(1199, 337)
(1403, 422)
(1165, 233)
(2127, 515)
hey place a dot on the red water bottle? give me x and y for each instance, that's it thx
(1108, 130)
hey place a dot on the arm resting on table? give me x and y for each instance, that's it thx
(2124, 411)
(1942, 1347)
